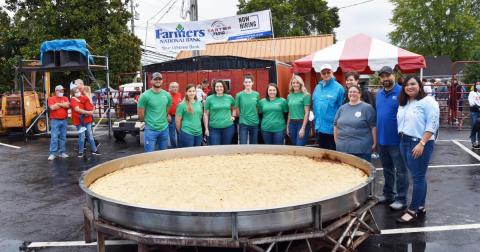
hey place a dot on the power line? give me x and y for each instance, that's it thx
(355, 4)
(171, 6)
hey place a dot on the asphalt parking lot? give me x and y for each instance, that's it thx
(40, 200)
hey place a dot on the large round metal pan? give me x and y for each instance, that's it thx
(231, 223)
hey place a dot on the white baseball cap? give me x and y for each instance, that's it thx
(325, 66)
(58, 87)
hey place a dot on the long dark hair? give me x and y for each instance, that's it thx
(403, 99)
(267, 97)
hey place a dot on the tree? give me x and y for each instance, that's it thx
(446, 27)
(102, 23)
(296, 17)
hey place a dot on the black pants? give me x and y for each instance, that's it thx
(326, 141)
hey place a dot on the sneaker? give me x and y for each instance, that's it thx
(64, 155)
(51, 157)
(384, 200)
(81, 155)
(475, 146)
(82, 129)
(397, 205)
(96, 153)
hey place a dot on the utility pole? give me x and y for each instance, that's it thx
(132, 22)
(194, 17)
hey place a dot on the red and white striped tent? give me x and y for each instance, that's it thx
(363, 54)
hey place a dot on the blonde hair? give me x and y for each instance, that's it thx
(87, 91)
(300, 81)
(187, 101)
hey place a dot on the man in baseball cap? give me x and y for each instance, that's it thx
(58, 106)
(327, 98)
(153, 106)
(394, 169)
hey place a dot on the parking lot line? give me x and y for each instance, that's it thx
(77, 243)
(442, 166)
(429, 229)
(11, 146)
(467, 150)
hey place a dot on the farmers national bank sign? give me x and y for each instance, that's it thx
(195, 35)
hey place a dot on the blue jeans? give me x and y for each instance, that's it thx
(248, 131)
(273, 137)
(394, 172)
(81, 138)
(172, 133)
(154, 139)
(221, 136)
(187, 140)
(293, 128)
(474, 134)
(418, 169)
(365, 156)
(58, 136)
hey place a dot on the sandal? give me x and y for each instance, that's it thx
(408, 217)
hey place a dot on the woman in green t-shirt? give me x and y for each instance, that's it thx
(272, 109)
(188, 119)
(219, 115)
(298, 126)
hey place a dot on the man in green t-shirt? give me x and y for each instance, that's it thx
(246, 102)
(153, 107)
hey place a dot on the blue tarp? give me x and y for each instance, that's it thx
(79, 45)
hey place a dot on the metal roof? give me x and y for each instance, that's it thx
(285, 49)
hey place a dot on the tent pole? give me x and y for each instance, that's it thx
(421, 73)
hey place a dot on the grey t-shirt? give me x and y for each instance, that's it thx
(354, 128)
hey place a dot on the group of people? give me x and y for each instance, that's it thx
(402, 127)
(192, 115)
(82, 110)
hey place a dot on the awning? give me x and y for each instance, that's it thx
(360, 53)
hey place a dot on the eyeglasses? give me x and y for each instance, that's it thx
(326, 73)
(412, 83)
(158, 79)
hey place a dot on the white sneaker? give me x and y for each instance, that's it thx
(51, 157)
(82, 129)
(64, 155)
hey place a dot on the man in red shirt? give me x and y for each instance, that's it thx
(78, 103)
(177, 97)
(58, 109)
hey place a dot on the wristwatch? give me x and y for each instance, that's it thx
(422, 142)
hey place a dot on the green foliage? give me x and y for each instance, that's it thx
(102, 23)
(447, 27)
(296, 17)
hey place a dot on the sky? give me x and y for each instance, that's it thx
(371, 17)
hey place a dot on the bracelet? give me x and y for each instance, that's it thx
(422, 143)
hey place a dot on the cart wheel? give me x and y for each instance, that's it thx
(41, 125)
(119, 135)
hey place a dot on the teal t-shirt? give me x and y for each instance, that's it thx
(156, 106)
(273, 119)
(296, 105)
(191, 122)
(219, 111)
(247, 104)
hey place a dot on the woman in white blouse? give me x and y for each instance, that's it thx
(418, 122)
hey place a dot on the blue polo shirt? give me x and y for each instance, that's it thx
(326, 100)
(387, 107)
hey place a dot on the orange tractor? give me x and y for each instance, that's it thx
(11, 112)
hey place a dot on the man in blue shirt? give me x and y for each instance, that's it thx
(394, 169)
(327, 98)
